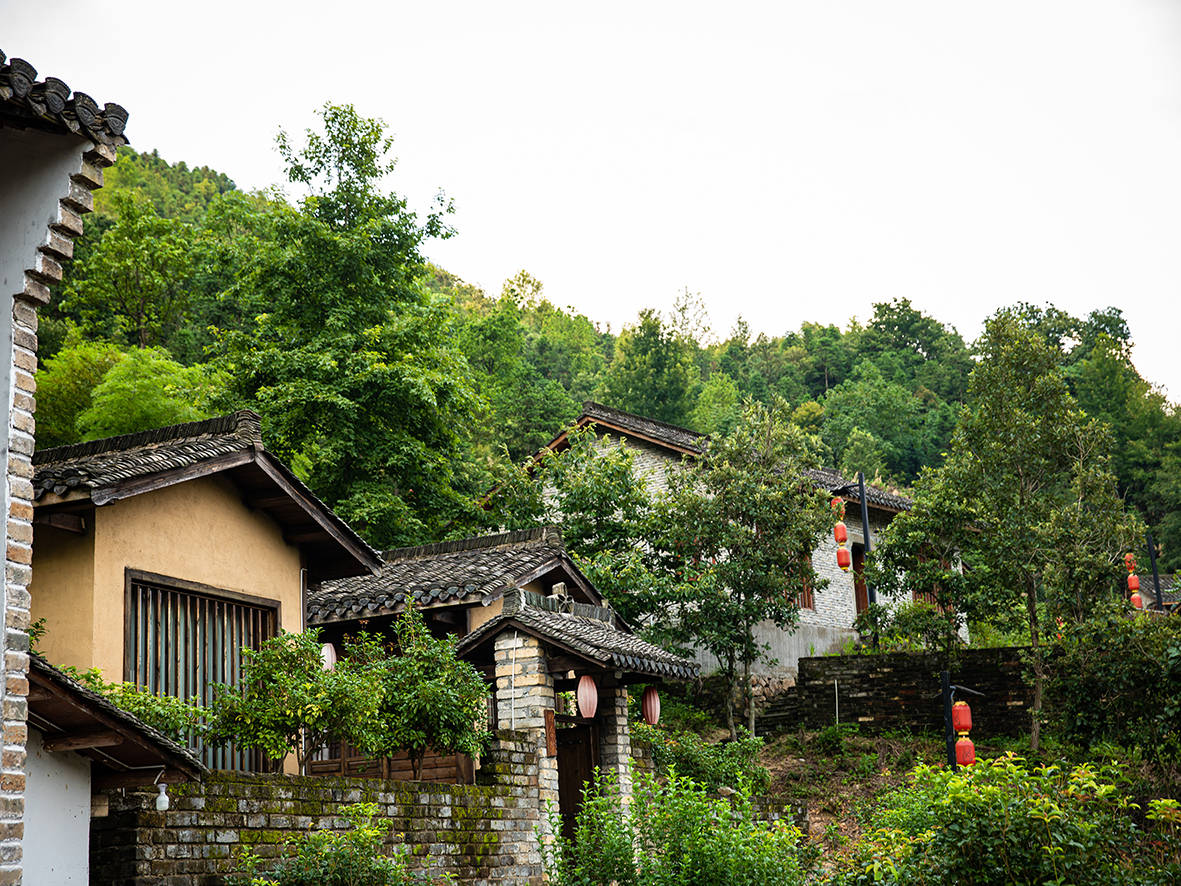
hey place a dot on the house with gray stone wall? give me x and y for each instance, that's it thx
(54, 144)
(827, 613)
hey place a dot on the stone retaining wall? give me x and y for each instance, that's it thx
(482, 834)
(901, 691)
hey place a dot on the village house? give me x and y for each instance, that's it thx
(54, 144)
(827, 613)
(535, 626)
(159, 556)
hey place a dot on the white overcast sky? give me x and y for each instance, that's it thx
(790, 161)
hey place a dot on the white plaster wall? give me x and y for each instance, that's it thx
(57, 817)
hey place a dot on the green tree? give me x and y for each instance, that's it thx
(287, 702)
(596, 493)
(353, 361)
(718, 405)
(1026, 499)
(653, 371)
(147, 389)
(429, 699)
(65, 383)
(133, 284)
(738, 530)
(885, 410)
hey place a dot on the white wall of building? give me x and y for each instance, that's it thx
(57, 817)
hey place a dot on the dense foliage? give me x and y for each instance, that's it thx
(398, 391)
(425, 697)
(1001, 822)
(1117, 678)
(733, 764)
(354, 857)
(1024, 516)
(673, 834)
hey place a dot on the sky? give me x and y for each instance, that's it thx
(789, 161)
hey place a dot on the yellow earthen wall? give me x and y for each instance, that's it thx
(62, 588)
(197, 531)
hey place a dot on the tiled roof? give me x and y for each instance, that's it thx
(117, 467)
(1168, 588)
(48, 104)
(447, 572)
(585, 630)
(648, 428)
(171, 750)
(832, 480)
(112, 460)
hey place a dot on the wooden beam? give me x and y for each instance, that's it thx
(138, 485)
(74, 523)
(36, 694)
(106, 738)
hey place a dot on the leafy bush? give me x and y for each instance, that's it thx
(1000, 822)
(327, 858)
(724, 764)
(673, 834)
(1117, 678)
(831, 739)
(426, 696)
(177, 718)
(910, 627)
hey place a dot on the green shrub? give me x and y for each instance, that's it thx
(723, 764)
(674, 834)
(1117, 678)
(180, 719)
(910, 627)
(1000, 822)
(327, 858)
(831, 739)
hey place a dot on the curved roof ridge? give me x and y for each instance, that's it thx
(663, 430)
(244, 424)
(49, 102)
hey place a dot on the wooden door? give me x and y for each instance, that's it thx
(577, 751)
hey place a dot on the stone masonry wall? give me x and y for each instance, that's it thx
(482, 834)
(902, 691)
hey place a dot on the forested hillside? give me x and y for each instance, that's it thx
(399, 392)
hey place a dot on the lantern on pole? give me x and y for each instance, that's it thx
(961, 722)
(588, 696)
(1133, 582)
(650, 706)
(840, 534)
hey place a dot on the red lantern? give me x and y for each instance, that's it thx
(1130, 562)
(650, 706)
(844, 559)
(961, 717)
(588, 696)
(841, 533)
(1137, 601)
(1133, 583)
(965, 752)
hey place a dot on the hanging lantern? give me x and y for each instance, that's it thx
(1133, 583)
(1130, 562)
(328, 657)
(844, 559)
(961, 717)
(841, 533)
(588, 696)
(650, 706)
(1137, 601)
(965, 751)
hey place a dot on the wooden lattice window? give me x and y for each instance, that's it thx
(182, 637)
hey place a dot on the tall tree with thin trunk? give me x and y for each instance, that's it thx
(738, 528)
(1024, 515)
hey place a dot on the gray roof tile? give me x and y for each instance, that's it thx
(587, 630)
(446, 572)
(48, 103)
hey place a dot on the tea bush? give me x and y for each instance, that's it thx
(723, 764)
(674, 834)
(1001, 822)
